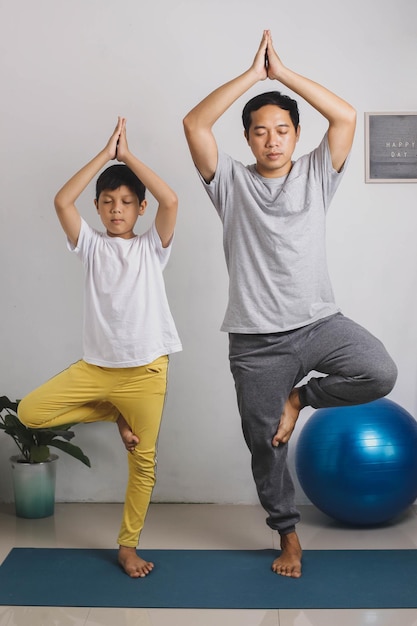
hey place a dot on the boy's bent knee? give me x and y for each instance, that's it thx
(23, 413)
(27, 413)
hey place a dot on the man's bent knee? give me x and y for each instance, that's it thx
(386, 376)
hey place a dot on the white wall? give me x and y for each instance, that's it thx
(68, 68)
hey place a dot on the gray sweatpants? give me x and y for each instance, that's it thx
(266, 367)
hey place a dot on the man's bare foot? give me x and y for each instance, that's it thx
(128, 437)
(133, 565)
(289, 562)
(289, 417)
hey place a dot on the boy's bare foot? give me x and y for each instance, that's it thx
(128, 437)
(133, 565)
(289, 562)
(289, 417)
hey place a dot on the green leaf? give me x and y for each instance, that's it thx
(39, 454)
(15, 428)
(44, 436)
(5, 403)
(72, 450)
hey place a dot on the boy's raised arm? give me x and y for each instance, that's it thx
(199, 121)
(339, 113)
(65, 198)
(167, 199)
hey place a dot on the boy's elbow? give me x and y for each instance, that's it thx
(172, 202)
(58, 204)
(175, 205)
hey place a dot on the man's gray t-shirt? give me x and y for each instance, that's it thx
(274, 242)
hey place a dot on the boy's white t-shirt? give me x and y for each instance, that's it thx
(127, 319)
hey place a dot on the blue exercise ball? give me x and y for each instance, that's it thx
(358, 464)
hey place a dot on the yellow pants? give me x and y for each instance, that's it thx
(87, 393)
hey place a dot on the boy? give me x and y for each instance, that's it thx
(128, 328)
(281, 318)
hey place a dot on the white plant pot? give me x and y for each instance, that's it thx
(34, 487)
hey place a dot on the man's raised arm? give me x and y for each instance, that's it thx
(339, 113)
(199, 121)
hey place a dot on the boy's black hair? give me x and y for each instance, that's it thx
(270, 97)
(117, 175)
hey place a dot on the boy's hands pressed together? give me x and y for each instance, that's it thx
(112, 144)
(122, 150)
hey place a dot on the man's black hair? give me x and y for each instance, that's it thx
(270, 97)
(117, 175)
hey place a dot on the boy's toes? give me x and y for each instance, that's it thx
(131, 441)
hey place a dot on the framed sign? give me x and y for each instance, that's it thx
(391, 147)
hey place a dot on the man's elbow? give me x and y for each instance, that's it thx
(187, 125)
(192, 124)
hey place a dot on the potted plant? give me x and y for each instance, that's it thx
(34, 468)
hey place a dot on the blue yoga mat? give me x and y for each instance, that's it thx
(212, 579)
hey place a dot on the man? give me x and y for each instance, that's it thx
(281, 317)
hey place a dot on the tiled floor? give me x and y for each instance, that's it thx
(196, 526)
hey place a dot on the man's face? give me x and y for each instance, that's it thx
(118, 210)
(272, 139)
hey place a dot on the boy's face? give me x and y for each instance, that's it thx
(272, 139)
(118, 210)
